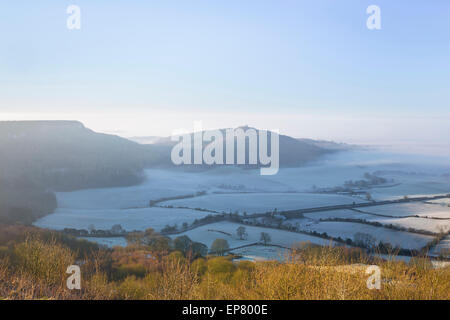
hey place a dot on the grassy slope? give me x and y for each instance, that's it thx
(33, 267)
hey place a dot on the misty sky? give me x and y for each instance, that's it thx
(308, 68)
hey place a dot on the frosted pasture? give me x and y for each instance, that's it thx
(345, 214)
(207, 234)
(412, 208)
(130, 219)
(320, 175)
(163, 183)
(158, 184)
(414, 174)
(443, 247)
(262, 202)
(331, 171)
(348, 230)
(262, 253)
(432, 225)
(406, 188)
(441, 202)
(128, 206)
(412, 185)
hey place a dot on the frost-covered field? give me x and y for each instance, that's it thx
(159, 184)
(261, 253)
(346, 214)
(332, 171)
(443, 247)
(441, 202)
(414, 208)
(262, 202)
(130, 219)
(431, 225)
(235, 189)
(207, 234)
(348, 230)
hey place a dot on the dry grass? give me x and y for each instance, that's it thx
(37, 271)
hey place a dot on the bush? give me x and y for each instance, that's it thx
(220, 265)
(43, 261)
(199, 266)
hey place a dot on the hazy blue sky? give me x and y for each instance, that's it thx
(308, 68)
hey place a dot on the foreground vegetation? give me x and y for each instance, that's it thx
(33, 264)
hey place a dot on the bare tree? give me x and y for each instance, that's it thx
(265, 237)
(241, 233)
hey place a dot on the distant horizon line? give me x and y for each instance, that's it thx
(433, 147)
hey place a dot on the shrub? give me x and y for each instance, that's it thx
(46, 261)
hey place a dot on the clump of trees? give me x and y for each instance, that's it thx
(190, 248)
(364, 240)
(368, 181)
(220, 246)
(154, 241)
(149, 238)
(116, 231)
(170, 229)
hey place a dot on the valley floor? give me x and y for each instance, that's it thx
(409, 225)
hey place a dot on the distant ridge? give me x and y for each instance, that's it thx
(293, 152)
(40, 157)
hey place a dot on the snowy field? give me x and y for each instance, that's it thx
(332, 171)
(441, 202)
(262, 202)
(442, 248)
(414, 208)
(131, 219)
(348, 230)
(346, 214)
(432, 225)
(410, 188)
(261, 253)
(207, 234)
(289, 189)
(159, 184)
